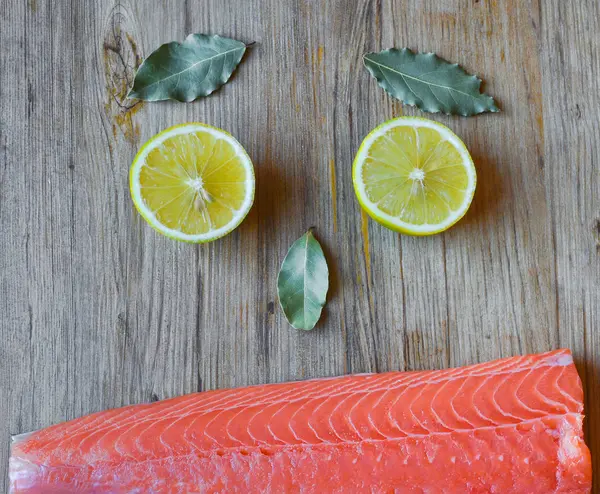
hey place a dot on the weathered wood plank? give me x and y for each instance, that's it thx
(97, 310)
(16, 317)
(571, 74)
(37, 216)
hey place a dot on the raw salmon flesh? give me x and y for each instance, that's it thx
(509, 426)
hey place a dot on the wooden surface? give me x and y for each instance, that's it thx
(98, 311)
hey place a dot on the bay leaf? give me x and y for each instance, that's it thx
(186, 71)
(303, 282)
(428, 82)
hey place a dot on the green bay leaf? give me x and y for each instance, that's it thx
(186, 71)
(428, 82)
(303, 282)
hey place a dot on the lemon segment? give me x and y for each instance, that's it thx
(192, 182)
(414, 176)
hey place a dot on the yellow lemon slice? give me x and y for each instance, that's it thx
(192, 182)
(414, 176)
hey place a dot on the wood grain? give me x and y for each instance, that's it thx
(98, 311)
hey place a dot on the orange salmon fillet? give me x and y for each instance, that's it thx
(508, 426)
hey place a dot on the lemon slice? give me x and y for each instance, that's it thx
(414, 176)
(192, 182)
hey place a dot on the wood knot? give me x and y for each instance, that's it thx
(121, 57)
(121, 324)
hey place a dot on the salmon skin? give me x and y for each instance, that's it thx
(509, 426)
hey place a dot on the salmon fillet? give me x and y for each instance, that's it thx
(509, 426)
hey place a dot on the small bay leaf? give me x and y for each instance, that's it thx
(186, 71)
(428, 82)
(303, 282)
